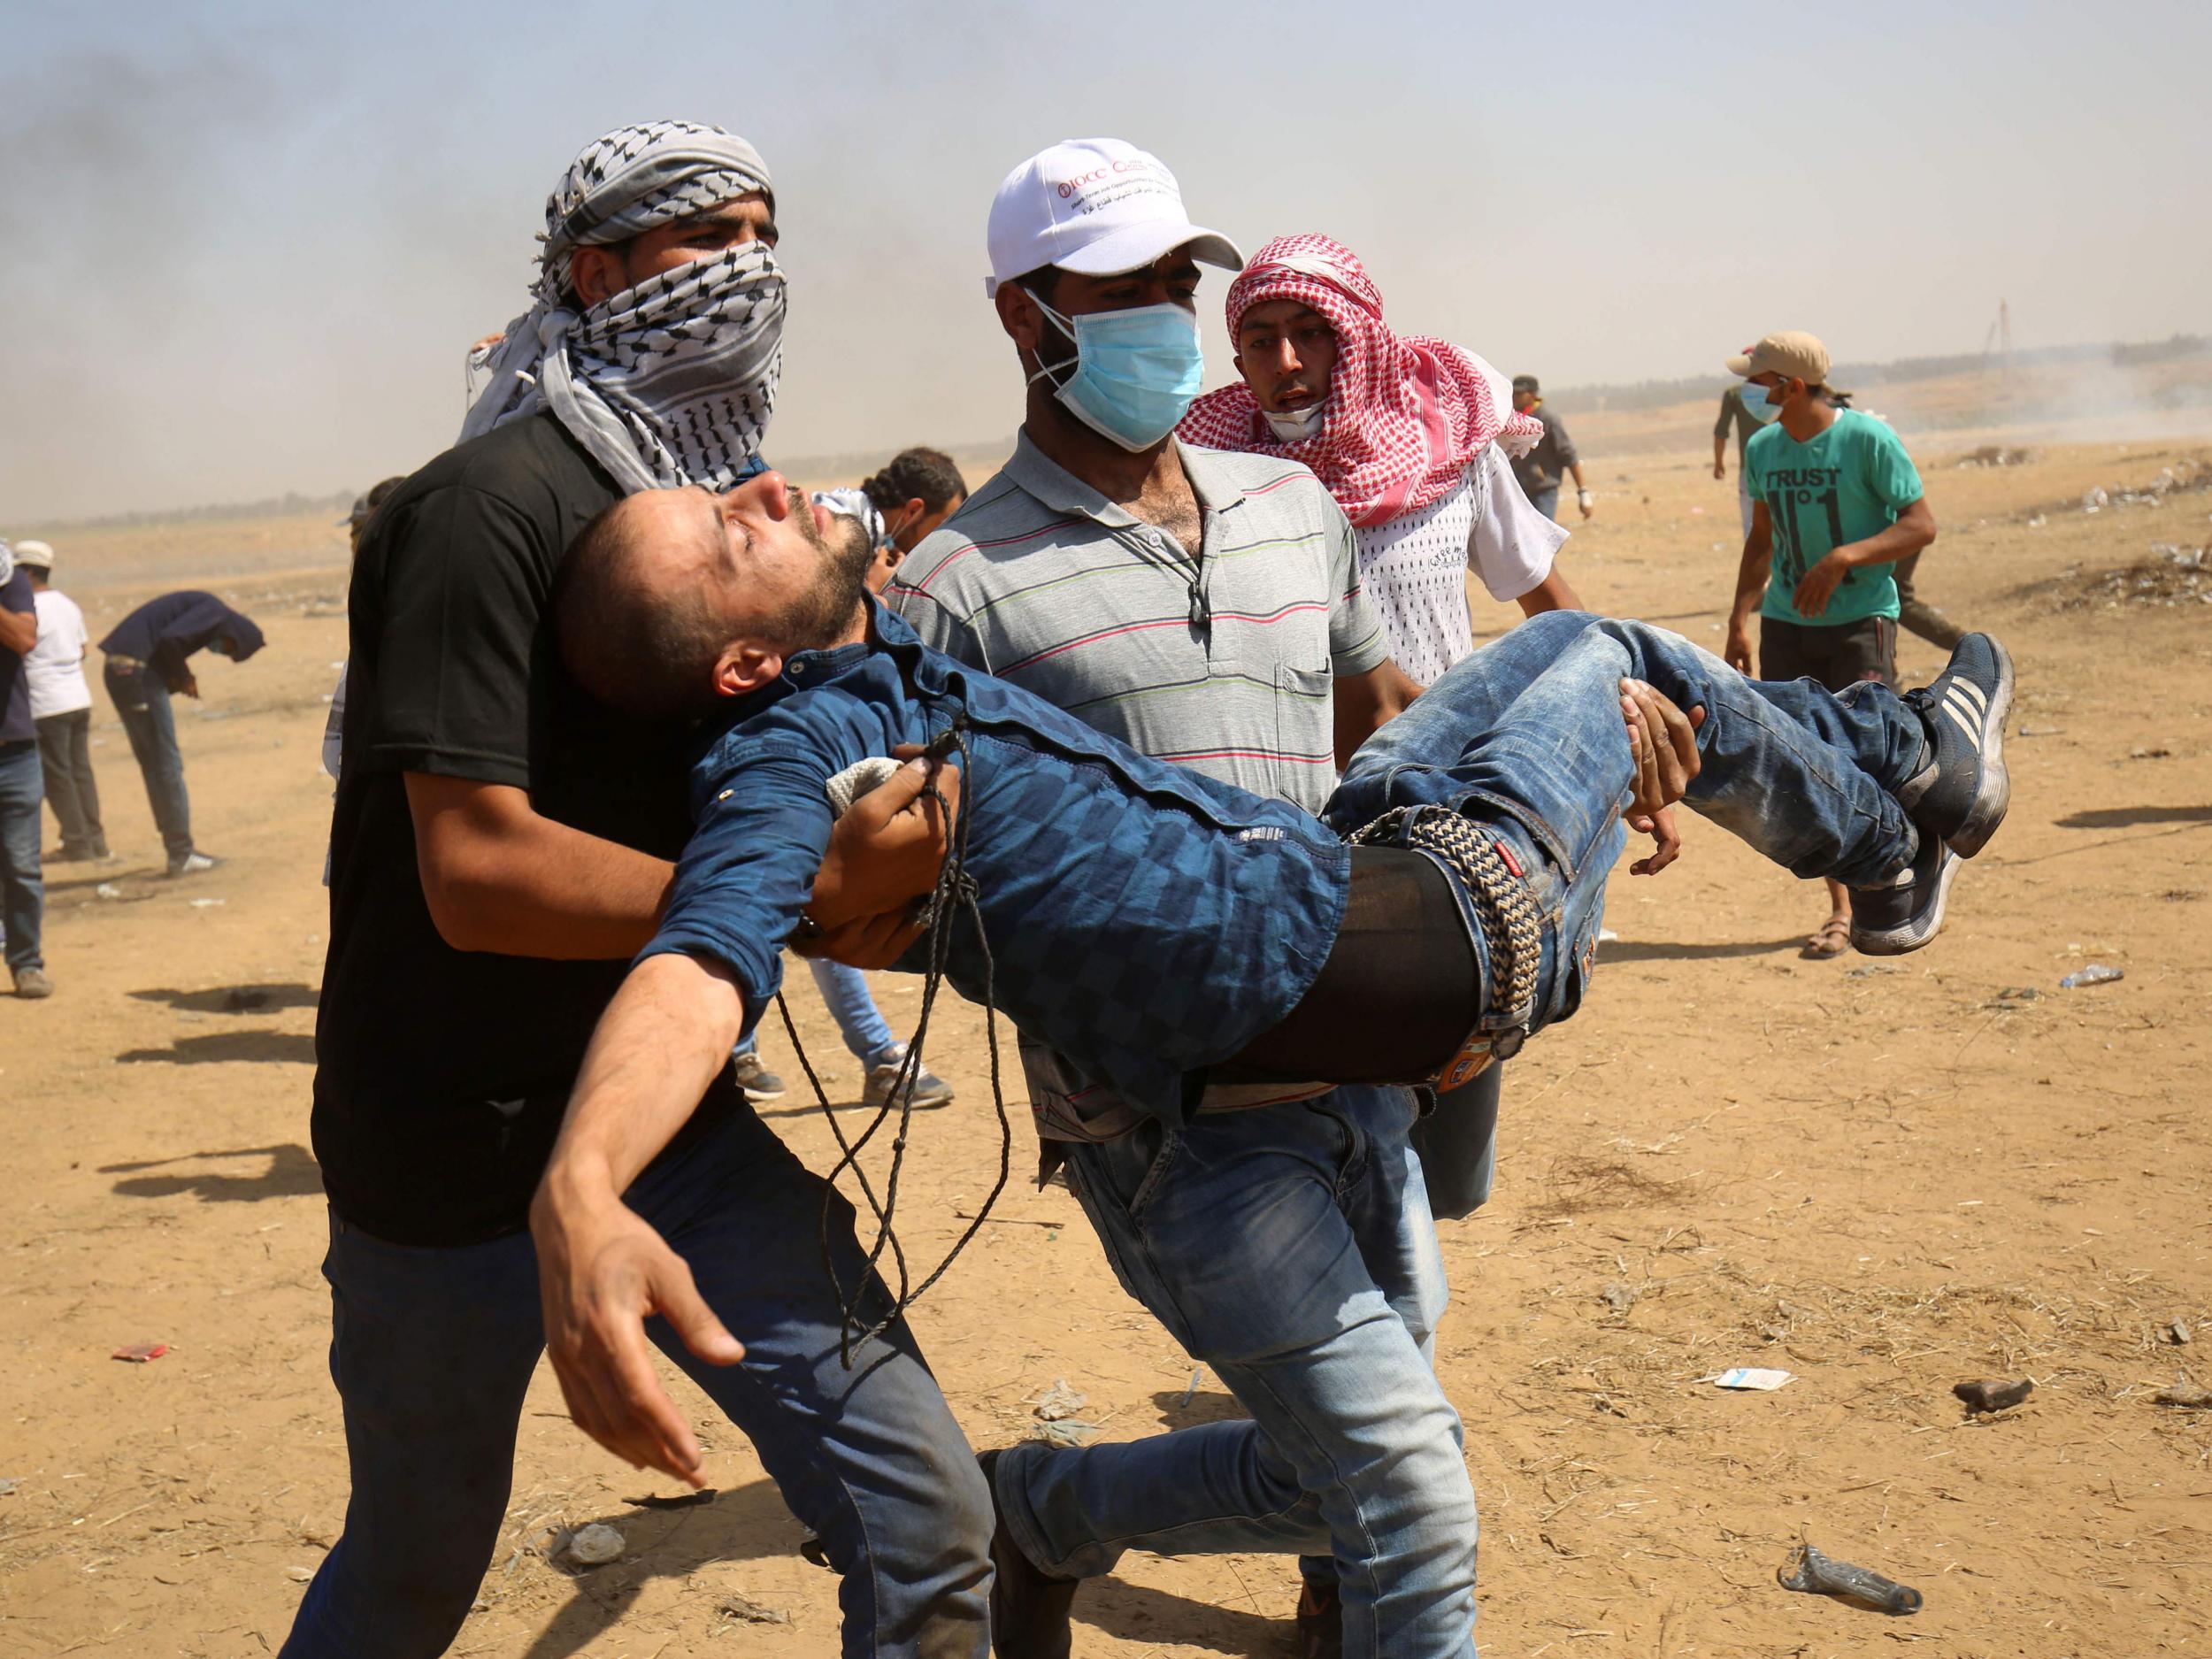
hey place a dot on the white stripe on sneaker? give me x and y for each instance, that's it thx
(1981, 698)
(1965, 723)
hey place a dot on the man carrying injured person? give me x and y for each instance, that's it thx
(1153, 923)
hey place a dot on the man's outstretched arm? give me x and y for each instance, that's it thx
(602, 1269)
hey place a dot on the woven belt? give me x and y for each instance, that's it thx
(1512, 926)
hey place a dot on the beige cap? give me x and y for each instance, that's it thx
(1793, 352)
(35, 553)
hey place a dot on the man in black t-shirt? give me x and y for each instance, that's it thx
(502, 845)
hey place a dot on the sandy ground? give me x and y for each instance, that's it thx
(1883, 1177)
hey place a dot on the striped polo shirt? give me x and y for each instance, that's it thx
(1219, 658)
(1222, 662)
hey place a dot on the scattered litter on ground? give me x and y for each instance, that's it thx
(2179, 1334)
(107, 890)
(204, 904)
(1751, 1377)
(139, 1352)
(1057, 1402)
(1993, 1393)
(2040, 731)
(741, 1609)
(2018, 994)
(594, 1546)
(1871, 970)
(9, 1485)
(1062, 1431)
(1815, 1574)
(2095, 973)
(2182, 895)
(1996, 455)
(1619, 1296)
(300, 1575)
(2182, 1395)
(2150, 751)
(2036, 521)
(682, 1501)
(1196, 1374)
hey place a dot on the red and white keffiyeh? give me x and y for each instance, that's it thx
(1406, 413)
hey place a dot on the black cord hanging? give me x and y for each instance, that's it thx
(954, 896)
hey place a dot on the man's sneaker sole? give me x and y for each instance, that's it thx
(1983, 724)
(1910, 932)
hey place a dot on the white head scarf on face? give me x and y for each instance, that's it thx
(672, 381)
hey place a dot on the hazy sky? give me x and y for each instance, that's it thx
(243, 248)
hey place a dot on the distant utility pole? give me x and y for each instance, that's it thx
(2004, 340)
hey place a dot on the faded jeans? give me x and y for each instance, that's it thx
(142, 701)
(22, 887)
(432, 1349)
(1289, 1248)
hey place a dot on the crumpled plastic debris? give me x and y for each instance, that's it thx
(1062, 1431)
(1057, 1402)
(2095, 973)
(139, 1352)
(1815, 1574)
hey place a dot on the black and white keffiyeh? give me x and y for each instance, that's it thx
(672, 381)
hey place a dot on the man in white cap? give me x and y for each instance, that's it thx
(61, 703)
(503, 843)
(1835, 503)
(1206, 607)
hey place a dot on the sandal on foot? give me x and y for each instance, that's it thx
(1832, 940)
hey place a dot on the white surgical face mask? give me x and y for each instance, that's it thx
(1292, 425)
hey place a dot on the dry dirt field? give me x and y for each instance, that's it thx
(1882, 1177)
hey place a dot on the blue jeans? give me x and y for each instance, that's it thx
(1802, 774)
(22, 890)
(1457, 1144)
(432, 1350)
(1290, 1248)
(143, 701)
(844, 993)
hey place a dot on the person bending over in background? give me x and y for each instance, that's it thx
(148, 659)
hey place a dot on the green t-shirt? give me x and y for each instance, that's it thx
(1847, 484)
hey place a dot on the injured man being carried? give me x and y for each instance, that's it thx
(1156, 925)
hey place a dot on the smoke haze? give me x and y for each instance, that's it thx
(242, 249)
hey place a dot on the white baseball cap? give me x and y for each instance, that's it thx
(1098, 207)
(35, 553)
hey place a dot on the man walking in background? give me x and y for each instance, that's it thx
(149, 660)
(1743, 410)
(1552, 457)
(1836, 501)
(61, 703)
(22, 890)
(1206, 609)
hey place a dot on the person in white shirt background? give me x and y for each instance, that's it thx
(61, 706)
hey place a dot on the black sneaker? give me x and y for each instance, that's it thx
(1960, 796)
(1906, 913)
(1029, 1609)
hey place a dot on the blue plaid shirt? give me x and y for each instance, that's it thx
(1145, 920)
